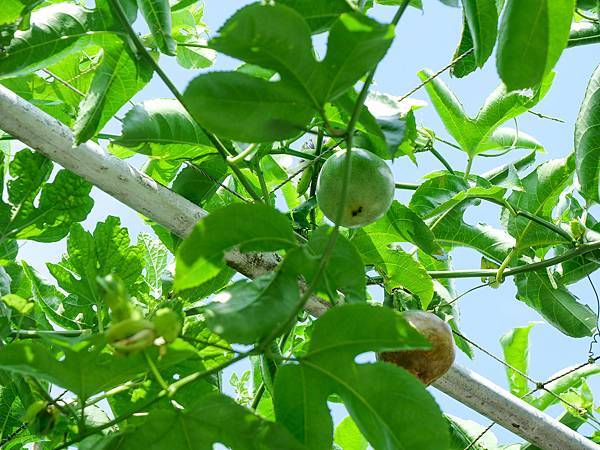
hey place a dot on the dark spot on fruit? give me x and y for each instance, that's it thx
(357, 211)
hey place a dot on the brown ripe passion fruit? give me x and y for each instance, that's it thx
(426, 365)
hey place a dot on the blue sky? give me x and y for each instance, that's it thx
(423, 40)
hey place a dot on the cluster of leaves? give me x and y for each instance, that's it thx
(231, 143)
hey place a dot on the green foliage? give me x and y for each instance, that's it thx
(62, 202)
(249, 227)
(301, 391)
(211, 419)
(254, 110)
(586, 141)
(473, 134)
(532, 37)
(141, 332)
(515, 345)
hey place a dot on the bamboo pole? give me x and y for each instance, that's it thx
(125, 183)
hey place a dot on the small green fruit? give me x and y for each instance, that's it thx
(167, 323)
(426, 365)
(131, 335)
(370, 190)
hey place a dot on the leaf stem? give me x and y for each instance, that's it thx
(469, 165)
(407, 186)
(161, 381)
(263, 185)
(580, 250)
(315, 178)
(441, 159)
(504, 265)
(33, 334)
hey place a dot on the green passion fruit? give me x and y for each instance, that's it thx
(370, 189)
(426, 365)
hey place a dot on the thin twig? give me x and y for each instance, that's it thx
(64, 82)
(543, 116)
(437, 74)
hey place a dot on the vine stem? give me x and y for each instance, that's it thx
(214, 139)
(469, 165)
(580, 250)
(407, 186)
(441, 159)
(532, 217)
(343, 197)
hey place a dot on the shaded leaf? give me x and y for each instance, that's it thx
(556, 304)
(157, 14)
(248, 311)
(482, 19)
(162, 129)
(211, 419)
(250, 227)
(119, 77)
(387, 412)
(587, 141)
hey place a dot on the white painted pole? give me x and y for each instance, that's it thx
(514, 414)
(51, 138)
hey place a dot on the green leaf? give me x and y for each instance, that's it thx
(541, 190)
(250, 227)
(467, 63)
(247, 108)
(482, 19)
(258, 110)
(510, 139)
(189, 29)
(587, 138)
(197, 183)
(51, 301)
(319, 15)
(563, 384)
(56, 31)
(533, 35)
(387, 412)
(515, 345)
(49, 94)
(155, 256)
(502, 174)
(39, 210)
(472, 134)
(209, 420)
(85, 369)
(464, 432)
(556, 304)
(394, 118)
(107, 251)
(162, 129)
(399, 269)
(157, 14)
(435, 192)
(120, 76)
(452, 230)
(344, 272)
(248, 311)
(401, 224)
(348, 436)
